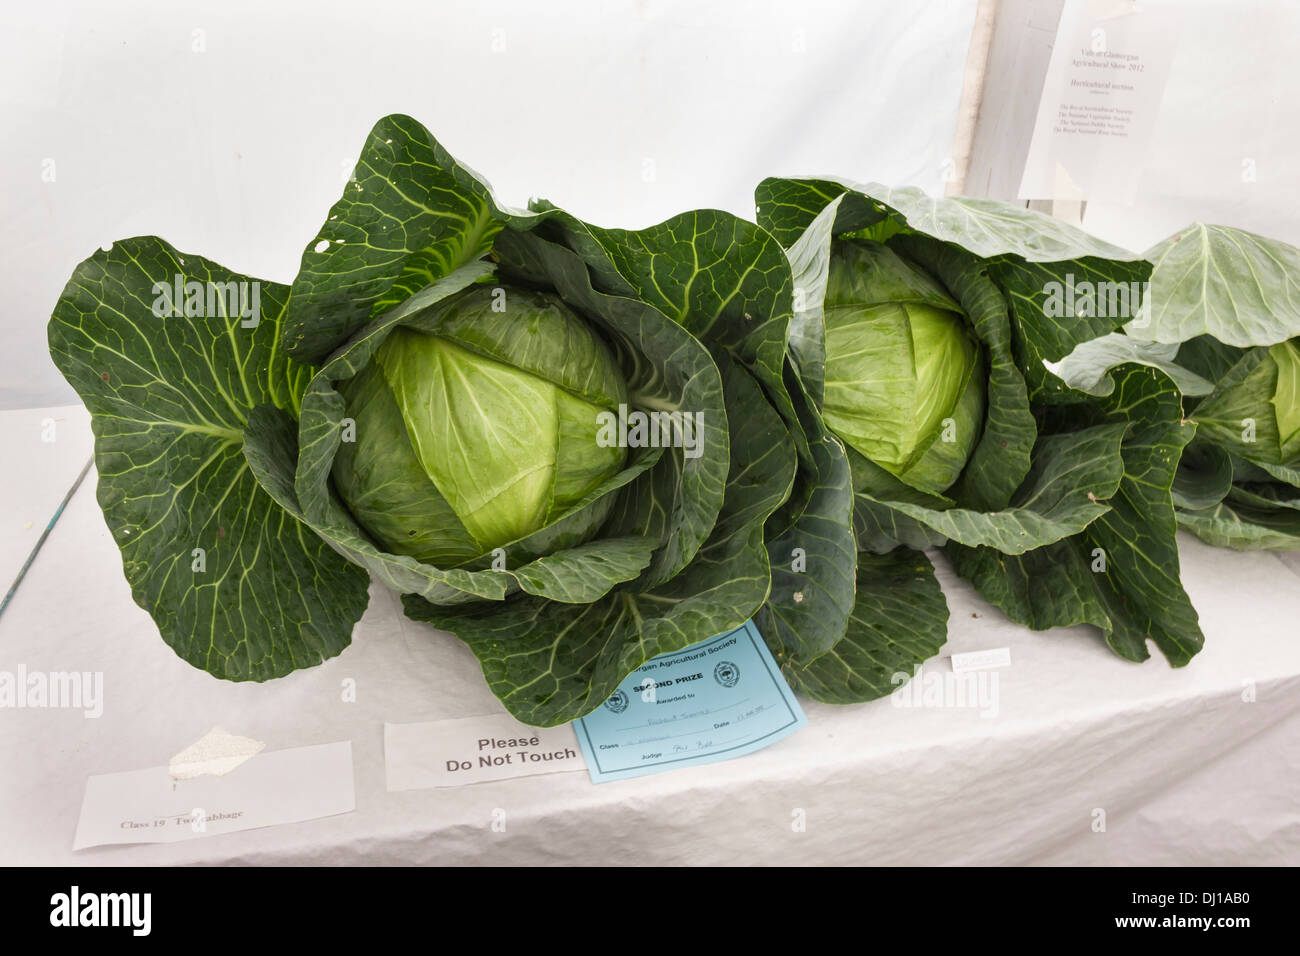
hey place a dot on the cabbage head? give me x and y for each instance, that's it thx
(502, 415)
(482, 430)
(904, 380)
(1225, 325)
(929, 337)
(1255, 411)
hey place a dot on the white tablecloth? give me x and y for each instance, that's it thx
(45, 450)
(1198, 765)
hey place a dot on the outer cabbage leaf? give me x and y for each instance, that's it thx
(811, 547)
(1240, 288)
(409, 215)
(237, 586)
(1119, 574)
(1086, 368)
(1070, 475)
(1244, 527)
(899, 621)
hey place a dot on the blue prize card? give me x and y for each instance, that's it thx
(711, 701)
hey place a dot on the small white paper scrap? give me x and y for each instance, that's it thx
(217, 752)
(981, 660)
(453, 753)
(283, 786)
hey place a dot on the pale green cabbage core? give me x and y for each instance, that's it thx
(469, 432)
(1286, 397)
(904, 380)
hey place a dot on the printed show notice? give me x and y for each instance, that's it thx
(453, 753)
(279, 786)
(1100, 100)
(711, 701)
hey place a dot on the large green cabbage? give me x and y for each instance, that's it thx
(430, 405)
(482, 430)
(1224, 323)
(924, 345)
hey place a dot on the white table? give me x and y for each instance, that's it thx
(1185, 770)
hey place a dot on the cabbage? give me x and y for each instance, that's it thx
(474, 406)
(483, 431)
(1224, 323)
(904, 378)
(926, 344)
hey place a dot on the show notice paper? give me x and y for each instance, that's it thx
(453, 753)
(279, 786)
(712, 701)
(1100, 100)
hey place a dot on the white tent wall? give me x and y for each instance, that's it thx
(228, 129)
(1226, 144)
(1226, 139)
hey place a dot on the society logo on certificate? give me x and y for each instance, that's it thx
(711, 701)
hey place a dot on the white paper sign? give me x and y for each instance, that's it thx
(452, 753)
(1100, 100)
(282, 786)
